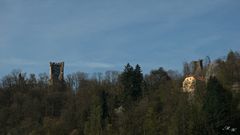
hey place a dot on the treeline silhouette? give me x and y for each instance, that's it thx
(122, 103)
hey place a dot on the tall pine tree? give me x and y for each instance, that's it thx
(131, 79)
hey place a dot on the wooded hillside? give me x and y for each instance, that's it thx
(122, 103)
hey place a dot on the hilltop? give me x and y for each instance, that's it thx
(126, 102)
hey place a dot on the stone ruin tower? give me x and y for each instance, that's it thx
(189, 83)
(56, 72)
(197, 67)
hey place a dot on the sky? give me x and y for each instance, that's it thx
(100, 35)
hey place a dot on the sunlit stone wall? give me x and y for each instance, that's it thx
(189, 84)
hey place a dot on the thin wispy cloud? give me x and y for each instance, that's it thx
(19, 62)
(99, 65)
(90, 64)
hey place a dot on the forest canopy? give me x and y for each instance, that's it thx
(124, 103)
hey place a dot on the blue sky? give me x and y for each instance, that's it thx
(100, 35)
